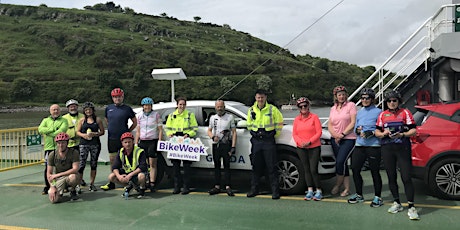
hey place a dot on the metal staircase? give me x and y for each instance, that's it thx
(408, 68)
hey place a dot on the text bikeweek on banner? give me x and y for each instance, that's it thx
(181, 148)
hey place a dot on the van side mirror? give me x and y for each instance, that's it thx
(242, 124)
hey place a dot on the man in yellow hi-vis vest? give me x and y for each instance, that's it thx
(181, 122)
(130, 167)
(265, 122)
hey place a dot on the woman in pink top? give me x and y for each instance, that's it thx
(306, 132)
(342, 119)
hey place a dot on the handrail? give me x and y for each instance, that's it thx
(428, 31)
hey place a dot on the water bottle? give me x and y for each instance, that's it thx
(88, 131)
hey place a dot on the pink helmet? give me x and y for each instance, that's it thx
(303, 100)
(117, 92)
(62, 137)
(339, 89)
(126, 135)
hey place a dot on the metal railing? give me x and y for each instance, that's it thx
(410, 55)
(15, 151)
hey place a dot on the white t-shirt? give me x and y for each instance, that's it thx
(221, 125)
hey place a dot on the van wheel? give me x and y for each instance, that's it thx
(291, 175)
(444, 179)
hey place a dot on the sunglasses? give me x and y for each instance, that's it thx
(303, 106)
(365, 98)
(392, 100)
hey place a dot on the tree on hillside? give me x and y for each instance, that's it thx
(264, 82)
(196, 18)
(22, 90)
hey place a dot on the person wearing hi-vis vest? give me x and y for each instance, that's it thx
(130, 166)
(181, 122)
(265, 122)
(72, 117)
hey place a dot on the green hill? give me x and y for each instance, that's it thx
(49, 55)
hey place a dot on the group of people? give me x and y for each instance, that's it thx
(368, 134)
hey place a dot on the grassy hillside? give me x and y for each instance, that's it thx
(50, 55)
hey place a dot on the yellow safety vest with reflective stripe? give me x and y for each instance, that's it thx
(184, 122)
(268, 118)
(72, 128)
(129, 167)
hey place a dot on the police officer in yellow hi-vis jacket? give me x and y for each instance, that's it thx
(181, 123)
(265, 122)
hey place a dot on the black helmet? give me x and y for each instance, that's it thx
(88, 105)
(392, 94)
(368, 91)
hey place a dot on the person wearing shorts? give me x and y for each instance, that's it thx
(130, 166)
(62, 169)
(117, 116)
(149, 130)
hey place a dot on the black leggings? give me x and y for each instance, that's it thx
(359, 156)
(310, 161)
(398, 155)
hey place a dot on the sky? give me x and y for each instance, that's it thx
(361, 32)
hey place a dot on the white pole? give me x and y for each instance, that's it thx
(172, 91)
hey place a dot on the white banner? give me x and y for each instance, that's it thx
(181, 148)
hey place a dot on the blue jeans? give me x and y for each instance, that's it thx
(342, 151)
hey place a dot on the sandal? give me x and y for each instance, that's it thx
(344, 193)
(335, 190)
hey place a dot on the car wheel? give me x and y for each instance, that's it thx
(291, 174)
(444, 178)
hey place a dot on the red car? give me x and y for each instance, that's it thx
(436, 148)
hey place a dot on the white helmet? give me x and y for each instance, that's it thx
(71, 102)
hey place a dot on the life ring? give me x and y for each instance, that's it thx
(423, 97)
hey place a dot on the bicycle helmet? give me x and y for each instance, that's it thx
(126, 135)
(71, 102)
(303, 100)
(117, 92)
(88, 105)
(62, 137)
(368, 91)
(147, 101)
(339, 88)
(393, 94)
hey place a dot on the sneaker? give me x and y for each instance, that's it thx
(230, 192)
(318, 196)
(395, 208)
(108, 186)
(355, 198)
(412, 213)
(45, 190)
(141, 193)
(214, 191)
(376, 202)
(83, 183)
(73, 195)
(78, 189)
(308, 196)
(92, 188)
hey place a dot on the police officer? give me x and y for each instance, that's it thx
(181, 122)
(265, 122)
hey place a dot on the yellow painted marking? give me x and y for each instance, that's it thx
(18, 228)
(265, 197)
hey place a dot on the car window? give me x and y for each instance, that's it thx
(209, 111)
(456, 117)
(420, 116)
